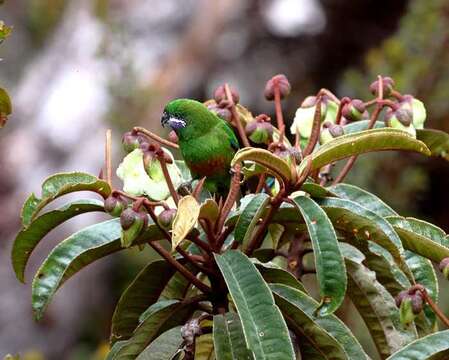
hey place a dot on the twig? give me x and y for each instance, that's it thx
(316, 128)
(155, 137)
(181, 268)
(261, 183)
(236, 117)
(197, 191)
(343, 102)
(230, 199)
(107, 156)
(167, 177)
(279, 116)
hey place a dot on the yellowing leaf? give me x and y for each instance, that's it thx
(209, 211)
(185, 219)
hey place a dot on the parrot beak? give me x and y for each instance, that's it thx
(171, 121)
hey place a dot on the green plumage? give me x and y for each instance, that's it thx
(207, 142)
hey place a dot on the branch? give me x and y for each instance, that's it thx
(316, 128)
(279, 116)
(167, 177)
(155, 137)
(236, 117)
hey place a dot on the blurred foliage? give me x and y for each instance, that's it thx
(415, 57)
(43, 16)
(5, 31)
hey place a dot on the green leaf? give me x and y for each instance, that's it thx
(58, 185)
(328, 334)
(273, 274)
(185, 219)
(165, 347)
(363, 142)
(249, 217)
(265, 330)
(229, 341)
(377, 308)
(28, 238)
(316, 191)
(414, 239)
(436, 140)
(158, 318)
(76, 252)
(329, 263)
(274, 164)
(423, 348)
(144, 290)
(363, 198)
(5, 106)
(350, 217)
(204, 347)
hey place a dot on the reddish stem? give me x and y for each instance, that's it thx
(236, 117)
(230, 199)
(167, 177)
(279, 116)
(155, 137)
(343, 102)
(316, 129)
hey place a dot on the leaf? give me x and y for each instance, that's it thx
(143, 291)
(275, 232)
(363, 142)
(329, 263)
(5, 105)
(28, 238)
(348, 216)
(165, 347)
(58, 185)
(363, 198)
(159, 317)
(275, 165)
(209, 211)
(273, 274)
(204, 347)
(328, 334)
(361, 125)
(266, 333)
(436, 140)
(315, 190)
(76, 252)
(377, 308)
(249, 217)
(185, 219)
(413, 240)
(423, 348)
(229, 341)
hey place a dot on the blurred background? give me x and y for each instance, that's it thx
(76, 68)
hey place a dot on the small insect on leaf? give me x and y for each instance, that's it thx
(185, 219)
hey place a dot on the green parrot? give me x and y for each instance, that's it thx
(207, 143)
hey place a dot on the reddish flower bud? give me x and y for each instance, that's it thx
(114, 205)
(220, 94)
(444, 267)
(417, 303)
(388, 85)
(259, 132)
(279, 81)
(398, 299)
(133, 223)
(130, 141)
(173, 137)
(354, 110)
(165, 218)
(222, 112)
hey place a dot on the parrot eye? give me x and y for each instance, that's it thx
(176, 123)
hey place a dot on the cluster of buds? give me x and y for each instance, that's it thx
(115, 204)
(260, 130)
(444, 267)
(387, 86)
(278, 83)
(410, 303)
(133, 223)
(354, 110)
(221, 104)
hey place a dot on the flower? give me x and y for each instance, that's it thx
(137, 181)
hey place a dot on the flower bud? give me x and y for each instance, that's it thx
(354, 110)
(398, 299)
(444, 267)
(133, 223)
(330, 131)
(221, 112)
(406, 314)
(130, 141)
(417, 303)
(173, 137)
(259, 132)
(400, 118)
(114, 205)
(279, 81)
(388, 85)
(417, 109)
(220, 94)
(165, 218)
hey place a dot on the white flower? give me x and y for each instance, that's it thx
(137, 181)
(419, 113)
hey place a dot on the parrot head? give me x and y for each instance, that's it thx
(187, 118)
